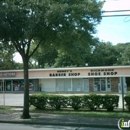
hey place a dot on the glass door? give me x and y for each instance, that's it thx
(102, 84)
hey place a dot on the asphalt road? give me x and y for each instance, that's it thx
(11, 99)
(7, 126)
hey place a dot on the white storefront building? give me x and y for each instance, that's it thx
(68, 80)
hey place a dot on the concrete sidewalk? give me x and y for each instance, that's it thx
(64, 120)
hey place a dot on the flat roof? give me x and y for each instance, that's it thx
(69, 68)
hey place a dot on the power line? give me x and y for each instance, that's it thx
(116, 15)
(116, 11)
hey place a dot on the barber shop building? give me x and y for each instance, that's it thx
(69, 80)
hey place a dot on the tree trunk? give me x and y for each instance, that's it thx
(26, 114)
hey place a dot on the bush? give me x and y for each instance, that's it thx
(92, 101)
(76, 102)
(39, 100)
(110, 102)
(57, 101)
(127, 100)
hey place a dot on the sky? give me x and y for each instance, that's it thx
(113, 29)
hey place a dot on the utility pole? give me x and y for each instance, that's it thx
(3, 93)
(122, 84)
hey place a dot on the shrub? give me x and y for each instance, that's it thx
(127, 100)
(110, 102)
(92, 101)
(76, 102)
(38, 100)
(57, 101)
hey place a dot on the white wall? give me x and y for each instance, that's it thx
(63, 85)
(48, 85)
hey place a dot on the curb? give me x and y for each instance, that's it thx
(59, 124)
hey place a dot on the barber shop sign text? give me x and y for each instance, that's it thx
(64, 73)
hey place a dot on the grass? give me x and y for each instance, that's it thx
(80, 113)
(85, 113)
(5, 110)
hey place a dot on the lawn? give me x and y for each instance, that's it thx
(117, 113)
(5, 110)
(85, 113)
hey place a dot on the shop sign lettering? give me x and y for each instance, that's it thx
(7, 74)
(98, 72)
(64, 73)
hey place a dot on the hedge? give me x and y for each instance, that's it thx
(76, 102)
(127, 100)
(91, 102)
(39, 100)
(57, 101)
(110, 102)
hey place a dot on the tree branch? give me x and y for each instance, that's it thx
(28, 48)
(35, 49)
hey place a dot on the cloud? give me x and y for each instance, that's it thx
(116, 5)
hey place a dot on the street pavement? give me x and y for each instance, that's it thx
(8, 126)
(61, 120)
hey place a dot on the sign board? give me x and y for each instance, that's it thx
(7, 74)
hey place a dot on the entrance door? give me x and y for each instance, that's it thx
(100, 84)
(103, 84)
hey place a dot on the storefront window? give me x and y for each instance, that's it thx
(18, 85)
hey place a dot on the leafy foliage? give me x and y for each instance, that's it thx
(57, 101)
(40, 23)
(39, 101)
(92, 101)
(110, 102)
(76, 102)
(127, 100)
(103, 54)
(6, 56)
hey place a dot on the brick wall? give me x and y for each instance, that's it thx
(114, 84)
(91, 84)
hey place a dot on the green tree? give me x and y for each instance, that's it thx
(122, 55)
(6, 57)
(50, 22)
(103, 54)
(126, 55)
(77, 57)
(44, 57)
